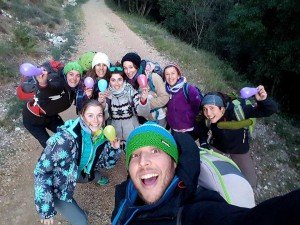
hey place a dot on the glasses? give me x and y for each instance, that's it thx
(116, 69)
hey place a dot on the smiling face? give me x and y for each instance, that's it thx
(100, 70)
(213, 113)
(73, 78)
(129, 69)
(151, 171)
(171, 76)
(116, 81)
(93, 117)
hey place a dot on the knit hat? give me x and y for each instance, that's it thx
(173, 65)
(85, 60)
(132, 57)
(151, 134)
(73, 66)
(212, 99)
(100, 58)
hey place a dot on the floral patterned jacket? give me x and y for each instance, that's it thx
(56, 171)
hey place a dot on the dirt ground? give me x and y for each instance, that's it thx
(105, 32)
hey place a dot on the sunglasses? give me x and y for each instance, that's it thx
(116, 69)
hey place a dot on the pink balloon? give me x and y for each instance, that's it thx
(142, 81)
(89, 82)
(29, 70)
(247, 92)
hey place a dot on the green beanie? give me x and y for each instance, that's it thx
(73, 66)
(151, 134)
(85, 60)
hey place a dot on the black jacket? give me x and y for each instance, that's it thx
(56, 97)
(235, 141)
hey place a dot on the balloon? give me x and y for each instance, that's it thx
(29, 70)
(142, 80)
(247, 92)
(110, 132)
(102, 85)
(88, 82)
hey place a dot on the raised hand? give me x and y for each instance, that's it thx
(261, 94)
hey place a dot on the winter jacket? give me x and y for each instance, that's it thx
(235, 141)
(57, 169)
(158, 97)
(183, 204)
(54, 98)
(123, 109)
(181, 113)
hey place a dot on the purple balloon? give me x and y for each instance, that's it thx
(89, 82)
(29, 70)
(247, 92)
(102, 85)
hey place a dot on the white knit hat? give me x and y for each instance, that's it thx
(100, 58)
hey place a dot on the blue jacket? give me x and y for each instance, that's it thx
(57, 169)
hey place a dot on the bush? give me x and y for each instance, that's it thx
(24, 39)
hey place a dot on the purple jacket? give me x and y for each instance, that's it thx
(181, 114)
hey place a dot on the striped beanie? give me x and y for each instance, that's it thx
(151, 134)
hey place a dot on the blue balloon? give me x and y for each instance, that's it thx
(102, 85)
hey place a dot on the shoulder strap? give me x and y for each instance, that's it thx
(150, 83)
(238, 110)
(186, 91)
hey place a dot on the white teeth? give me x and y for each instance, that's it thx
(147, 176)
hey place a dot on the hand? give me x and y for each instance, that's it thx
(88, 92)
(47, 221)
(102, 98)
(106, 94)
(43, 78)
(144, 95)
(262, 94)
(115, 143)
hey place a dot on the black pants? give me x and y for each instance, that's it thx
(37, 125)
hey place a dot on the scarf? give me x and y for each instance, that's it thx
(174, 89)
(90, 143)
(125, 90)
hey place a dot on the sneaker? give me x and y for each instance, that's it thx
(103, 181)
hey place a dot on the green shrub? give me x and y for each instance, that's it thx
(24, 38)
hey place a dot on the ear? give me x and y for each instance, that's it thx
(223, 110)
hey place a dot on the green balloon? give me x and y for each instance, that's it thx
(85, 60)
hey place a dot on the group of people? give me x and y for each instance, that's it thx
(163, 166)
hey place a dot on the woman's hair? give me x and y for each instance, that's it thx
(92, 73)
(88, 103)
(169, 66)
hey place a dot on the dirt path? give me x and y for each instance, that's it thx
(103, 31)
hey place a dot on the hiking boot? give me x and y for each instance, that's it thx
(103, 181)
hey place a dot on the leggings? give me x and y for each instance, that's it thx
(71, 212)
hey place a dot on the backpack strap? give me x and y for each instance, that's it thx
(150, 83)
(238, 110)
(186, 92)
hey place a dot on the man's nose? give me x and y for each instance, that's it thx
(144, 160)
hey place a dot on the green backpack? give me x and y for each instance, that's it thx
(241, 122)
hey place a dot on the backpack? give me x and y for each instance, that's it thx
(148, 67)
(248, 124)
(28, 86)
(221, 174)
(186, 92)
